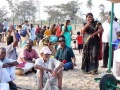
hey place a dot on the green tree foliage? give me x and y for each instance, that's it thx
(89, 4)
(102, 14)
(3, 12)
(24, 9)
(69, 9)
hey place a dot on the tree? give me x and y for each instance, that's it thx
(102, 14)
(3, 12)
(10, 2)
(53, 12)
(69, 9)
(23, 9)
(89, 4)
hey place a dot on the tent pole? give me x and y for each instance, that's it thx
(110, 48)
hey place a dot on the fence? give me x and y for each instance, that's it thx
(76, 24)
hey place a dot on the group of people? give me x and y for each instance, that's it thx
(96, 39)
(44, 63)
(55, 50)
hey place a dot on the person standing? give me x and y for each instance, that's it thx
(58, 30)
(47, 33)
(53, 29)
(106, 38)
(91, 47)
(5, 24)
(24, 36)
(79, 42)
(1, 32)
(25, 26)
(42, 32)
(12, 43)
(32, 32)
(37, 30)
(67, 32)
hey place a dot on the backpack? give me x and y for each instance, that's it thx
(23, 33)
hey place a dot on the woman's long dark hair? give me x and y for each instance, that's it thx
(52, 30)
(66, 29)
(61, 26)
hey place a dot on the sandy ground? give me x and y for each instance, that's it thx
(72, 79)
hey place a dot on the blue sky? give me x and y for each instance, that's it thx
(95, 9)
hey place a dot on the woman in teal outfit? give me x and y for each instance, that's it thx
(67, 32)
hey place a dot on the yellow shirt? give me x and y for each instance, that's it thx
(47, 33)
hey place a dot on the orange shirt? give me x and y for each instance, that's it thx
(79, 40)
(47, 33)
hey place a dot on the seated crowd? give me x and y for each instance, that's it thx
(48, 64)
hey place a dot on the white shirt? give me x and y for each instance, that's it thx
(5, 23)
(50, 64)
(6, 60)
(11, 52)
(32, 31)
(74, 46)
(106, 32)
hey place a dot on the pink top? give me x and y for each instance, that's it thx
(28, 55)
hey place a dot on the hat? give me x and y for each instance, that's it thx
(61, 39)
(45, 50)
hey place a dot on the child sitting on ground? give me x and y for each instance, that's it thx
(74, 45)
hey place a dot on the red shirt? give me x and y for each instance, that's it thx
(37, 30)
(58, 31)
(79, 40)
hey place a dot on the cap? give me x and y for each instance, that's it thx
(61, 39)
(45, 50)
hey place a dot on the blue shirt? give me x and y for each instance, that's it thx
(18, 36)
(116, 43)
(65, 53)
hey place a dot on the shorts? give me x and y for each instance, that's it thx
(80, 46)
(4, 30)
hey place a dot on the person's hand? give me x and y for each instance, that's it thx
(54, 73)
(74, 64)
(87, 25)
(92, 36)
(49, 70)
(23, 60)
